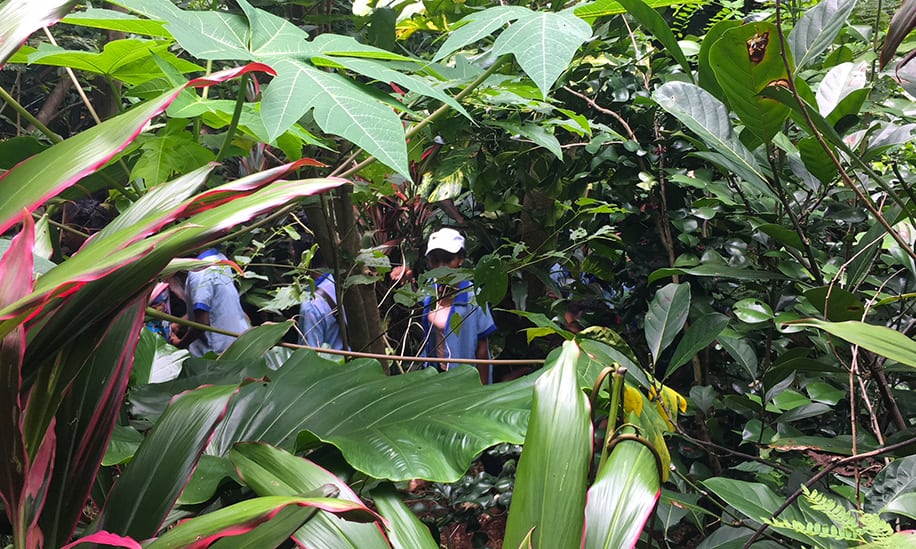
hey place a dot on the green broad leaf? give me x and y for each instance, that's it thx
(740, 350)
(706, 116)
(158, 161)
(752, 310)
(405, 530)
(839, 82)
(419, 425)
(204, 529)
(893, 484)
(545, 326)
(622, 498)
(122, 445)
(149, 486)
(745, 60)
(877, 339)
(818, 163)
(604, 8)
(698, 336)
(20, 18)
(816, 30)
(210, 472)
(271, 35)
(341, 107)
(904, 504)
(716, 270)
(903, 21)
(208, 35)
(129, 60)
(819, 391)
(782, 235)
(539, 135)
(543, 44)
(478, 26)
(705, 75)
(836, 303)
(550, 486)
(841, 445)
(254, 343)
(493, 277)
(98, 18)
(656, 25)
(270, 471)
(666, 316)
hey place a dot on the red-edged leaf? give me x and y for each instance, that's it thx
(20, 18)
(16, 274)
(35, 489)
(106, 538)
(87, 415)
(229, 74)
(33, 181)
(145, 493)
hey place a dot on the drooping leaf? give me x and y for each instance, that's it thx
(817, 28)
(892, 488)
(716, 270)
(622, 498)
(98, 18)
(666, 316)
(420, 425)
(745, 60)
(705, 115)
(20, 18)
(551, 482)
(406, 531)
(740, 350)
(270, 471)
(877, 339)
(653, 22)
(144, 494)
(698, 336)
(903, 21)
(252, 344)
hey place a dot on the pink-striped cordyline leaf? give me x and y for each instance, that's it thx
(20, 18)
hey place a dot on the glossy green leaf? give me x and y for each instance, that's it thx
(209, 527)
(818, 163)
(877, 339)
(836, 303)
(903, 21)
(210, 473)
(535, 133)
(273, 533)
(405, 530)
(492, 275)
(817, 28)
(705, 75)
(420, 425)
(666, 316)
(550, 486)
(20, 18)
(752, 310)
(716, 270)
(270, 471)
(893, 488)
(622, 498)
(740, 350)
(150, 484)
(705, 115)
(698, 336)
(252, 344)
(746, 60)
(122, 446)
(98, 18)
(655, 24)
(782, 235)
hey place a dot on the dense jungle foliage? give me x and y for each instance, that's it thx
(692, 219)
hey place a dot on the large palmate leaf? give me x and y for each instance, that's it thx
(270, 471)
(877, 339)
(552, 477)
(419, 425)
(817, 29)
(604, 8)
(98, 18)
(666, 316)
(20, 18)
(622, 498)
(707, 117)
(745, 60)
(149, 486)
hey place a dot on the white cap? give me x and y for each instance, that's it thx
(449, 240)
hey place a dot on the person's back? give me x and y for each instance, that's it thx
(211, 293)
(318, 324)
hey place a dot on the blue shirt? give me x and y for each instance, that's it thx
(213, 290)
(467, 324)
(318, 319)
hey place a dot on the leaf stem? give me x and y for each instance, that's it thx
(616, 388)
(236, 115)
(11, 101)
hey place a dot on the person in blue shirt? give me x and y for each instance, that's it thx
(317, 322)
(212, 300)
(454, 324)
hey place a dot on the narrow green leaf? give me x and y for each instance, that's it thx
(622, 498)
(406, 531)
(272, 533)
(149, 486)
(604, 8)
(877, 339)
(705, 115)
(698, 336)
(817, 29)
(539, 135)
(552, 475)
(716, 270)
(653, 22)
(255, 342)
(666, 316)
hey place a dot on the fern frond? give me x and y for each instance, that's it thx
(828, 531)
(876, 528)
(837, 514)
